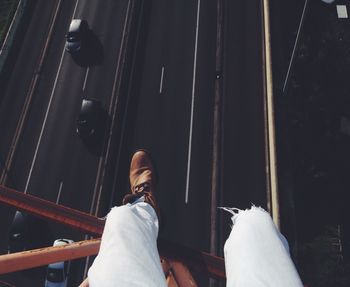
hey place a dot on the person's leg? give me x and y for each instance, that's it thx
(256, 253)
(128, 255)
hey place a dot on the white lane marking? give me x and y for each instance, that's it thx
(85, 79)
(342, 11)
(75, 9)
(291, 61)
(44, 124)
(59, 193)
(29, 96)
(161, 81)
(192, 106)
(10, 29)
(46, 115)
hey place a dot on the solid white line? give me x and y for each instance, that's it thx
(46, 115)
(5, 43)
(161, 80)
(44, 123)
(192, 106)
(85, 79)
(291, 61)
(59, 193)
(75, 9)
(29, 97)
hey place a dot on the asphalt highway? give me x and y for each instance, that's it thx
(243, 165)
(168, 98)
(50, 153)
(170, 81)
(176, 72)
(51, 161)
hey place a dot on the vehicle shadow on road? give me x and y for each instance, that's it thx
(92, 53)
(96, 143)
(37, 234)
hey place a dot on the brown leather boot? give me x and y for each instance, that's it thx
(142, 179)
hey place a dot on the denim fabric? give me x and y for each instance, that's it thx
(128, 255)
(256, 253)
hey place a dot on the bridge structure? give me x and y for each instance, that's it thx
(178, 261)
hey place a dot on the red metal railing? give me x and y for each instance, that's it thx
(176, 258)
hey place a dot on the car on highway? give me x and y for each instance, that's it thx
(18, 234)
(89, 118)
(28, 232)
(57, 273)
(76, 36)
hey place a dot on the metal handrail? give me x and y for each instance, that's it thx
(212, 266)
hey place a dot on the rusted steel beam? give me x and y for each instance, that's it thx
(5, 284)
(44, 256)
(182, 275)
(170, 280)
(54, 212)
(177, 274)
(195, 260)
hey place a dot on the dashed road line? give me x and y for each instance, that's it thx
(161, 81)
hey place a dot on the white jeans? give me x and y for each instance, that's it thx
(128, 255)
(256, 254)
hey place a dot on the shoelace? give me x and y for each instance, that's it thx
(142, 188)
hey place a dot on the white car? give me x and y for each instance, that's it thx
(57, 273)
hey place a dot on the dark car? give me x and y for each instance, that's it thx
(89, 117)
(18, 235)
(28, 232)
(76, 35)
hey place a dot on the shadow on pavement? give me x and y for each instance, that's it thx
(95, 143)
(35, 233)
(92, 53)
